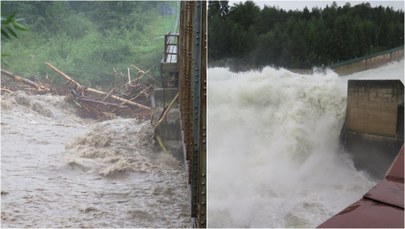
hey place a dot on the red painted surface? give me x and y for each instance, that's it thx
(382, 206)
(396, 170)
(388, 192)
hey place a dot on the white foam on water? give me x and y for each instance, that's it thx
(273, 158)
(58, 170)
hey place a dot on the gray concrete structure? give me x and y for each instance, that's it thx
(374, 128)
(358, 64)
(369, 62)
(169, 130)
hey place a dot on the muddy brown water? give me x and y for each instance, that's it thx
(58, 170)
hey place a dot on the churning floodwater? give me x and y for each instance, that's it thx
(58, 170)
(273, 153)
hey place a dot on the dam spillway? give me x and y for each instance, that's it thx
(274, 156)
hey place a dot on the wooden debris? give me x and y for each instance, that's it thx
(25, 81)
(88, 89)
(143, 73)
(140, 93)
(109, 94)
(66, 77)
(119, 99)
(106, 104)
(126, 101)
(6, 90)
(98, 109)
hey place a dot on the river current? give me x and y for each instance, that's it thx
(58, 170)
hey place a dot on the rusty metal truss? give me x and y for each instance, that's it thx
(192, 87)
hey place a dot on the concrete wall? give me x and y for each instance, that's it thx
(372, 106)
(163, 96)
(369, 63)
(373, 130)
(361, 64)
(371, 153)
(169, 130)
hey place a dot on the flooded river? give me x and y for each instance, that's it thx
(58, 170)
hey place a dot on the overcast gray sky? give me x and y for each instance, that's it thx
(300, 4)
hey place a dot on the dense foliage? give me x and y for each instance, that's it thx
(300, 39)
(87, 39)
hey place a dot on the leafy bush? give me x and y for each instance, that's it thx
(87, 45)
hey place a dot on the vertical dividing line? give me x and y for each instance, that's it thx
(192, 92)
(203, 102)
(195, 75)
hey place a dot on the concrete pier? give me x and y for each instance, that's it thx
(374, 128)
(169, 130)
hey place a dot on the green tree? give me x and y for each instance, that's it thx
(10, 25)
(87, 39)
(317, 37)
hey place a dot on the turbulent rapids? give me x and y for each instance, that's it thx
(273, 153)
(59, 170)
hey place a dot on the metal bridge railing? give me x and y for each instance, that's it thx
(171, 49)
(358, 59)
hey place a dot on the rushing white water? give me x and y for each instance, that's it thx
(58, 170)
(273, 158)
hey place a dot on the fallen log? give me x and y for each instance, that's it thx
(24, 80)
(89, 89)
(6, 90)
(107, 104)
(143, 91)
(66, 77)
(118, 98)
